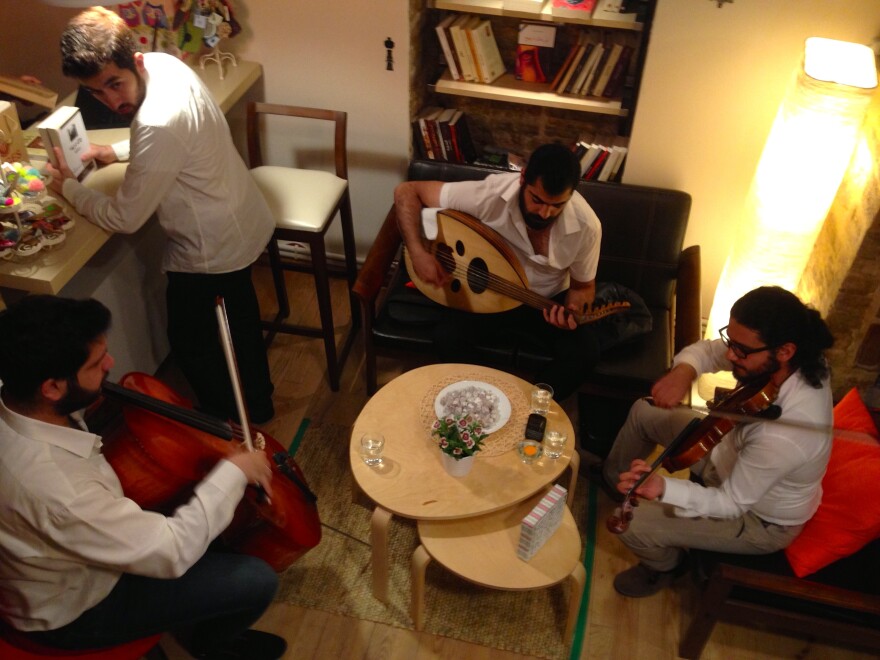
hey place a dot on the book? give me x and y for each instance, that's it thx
(565, 64)
(29, 92)
(575, 62)
(615, 155)
(425, 131)
(604, 75)
(587, 160)
(534, 52)
(594, 169)
(485, 47)
(614, 86)
(463, 48)
(597, 63)
(447, 47)
(442, 124)
(461, 137)
(612, 10)
(578, 9)
(523, 5)
(541, 522)
(577, 65)
(589, 70)
(12, 144)
(66, 130)
(615, 168)
(434, 134)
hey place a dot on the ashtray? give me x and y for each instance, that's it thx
(529, 450)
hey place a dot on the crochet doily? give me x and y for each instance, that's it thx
(502, 440)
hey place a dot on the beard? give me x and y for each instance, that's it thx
(130, 109)
(533, 220)
(750, 377)
(77, 398)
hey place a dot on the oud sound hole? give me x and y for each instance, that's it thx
(478, 275)
(459, 248)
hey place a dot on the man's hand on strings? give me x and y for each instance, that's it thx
(560, 317)
(652, 488)
(429, 269)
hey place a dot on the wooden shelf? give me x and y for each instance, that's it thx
(495, 8)
(508, 88)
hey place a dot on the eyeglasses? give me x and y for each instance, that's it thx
(740, 351)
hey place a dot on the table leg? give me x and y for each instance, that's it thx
(379, 543)
(578, 579)
(574, 465)
(420, 561)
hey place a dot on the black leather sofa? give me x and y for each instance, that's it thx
(643, 233)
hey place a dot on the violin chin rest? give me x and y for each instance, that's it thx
(771, 412)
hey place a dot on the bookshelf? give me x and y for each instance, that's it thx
(517, 114)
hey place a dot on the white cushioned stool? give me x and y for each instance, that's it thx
(304, 203)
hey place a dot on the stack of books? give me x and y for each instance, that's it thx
(593, 68)
(470, 49)
(599, 162)
(541, 523)
(443, 134)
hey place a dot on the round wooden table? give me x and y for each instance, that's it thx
(483, 550)
(412, 482)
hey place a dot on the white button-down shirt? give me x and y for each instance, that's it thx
(575, 237)
(67, 533)
(184, 166)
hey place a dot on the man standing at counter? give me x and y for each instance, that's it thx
(184, 167)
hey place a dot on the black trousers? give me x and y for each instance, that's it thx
(574, 352)
(195, 341)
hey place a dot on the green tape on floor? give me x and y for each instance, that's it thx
(589, 554)
(297, 439)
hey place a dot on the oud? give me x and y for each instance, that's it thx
(486, 275)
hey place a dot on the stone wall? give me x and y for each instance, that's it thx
(842, 277)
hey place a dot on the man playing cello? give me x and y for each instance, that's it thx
(81, 565)
(762, 482)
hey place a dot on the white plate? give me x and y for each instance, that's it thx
(503, 401)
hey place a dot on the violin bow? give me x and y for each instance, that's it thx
(229, 353)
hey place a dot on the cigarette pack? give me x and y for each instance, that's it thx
(66, 130)
(541, 522)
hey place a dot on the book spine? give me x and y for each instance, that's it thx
(448, 53)
(463, 50)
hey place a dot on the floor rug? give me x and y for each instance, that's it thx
(335, 575)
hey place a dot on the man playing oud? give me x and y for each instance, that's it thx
(553, 233)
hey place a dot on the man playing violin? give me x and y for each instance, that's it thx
(755, 490)
(554, 234)
(81, 565)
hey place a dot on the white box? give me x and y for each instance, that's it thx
(541, 523)
(65, 129)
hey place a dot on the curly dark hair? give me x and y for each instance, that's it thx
(94, 39)
(779, 317)
(44, 337)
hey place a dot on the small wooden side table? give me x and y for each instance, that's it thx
(483, 550)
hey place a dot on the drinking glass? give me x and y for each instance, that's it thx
(542, 395)
(372, 445)
(554, 443)
(529, 451)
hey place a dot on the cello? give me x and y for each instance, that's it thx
(752, 401)
(166, 448)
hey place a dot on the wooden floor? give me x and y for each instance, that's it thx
(617, 627)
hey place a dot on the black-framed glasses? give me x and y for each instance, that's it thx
(740, 351)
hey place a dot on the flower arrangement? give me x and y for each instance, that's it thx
(459, 436)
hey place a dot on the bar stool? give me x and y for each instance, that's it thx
(14, 646)
(304, 203)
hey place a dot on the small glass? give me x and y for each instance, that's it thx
(554, 444)
(542, 395)
(529, 451)
(372, 445)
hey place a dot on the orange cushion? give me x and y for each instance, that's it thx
(849, 515)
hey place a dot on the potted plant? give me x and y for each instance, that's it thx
(459, 439)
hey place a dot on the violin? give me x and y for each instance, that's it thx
(752, 401)
(166, 448)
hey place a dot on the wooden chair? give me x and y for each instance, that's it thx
(304, 203)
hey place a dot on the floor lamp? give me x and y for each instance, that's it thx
(806, 155)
